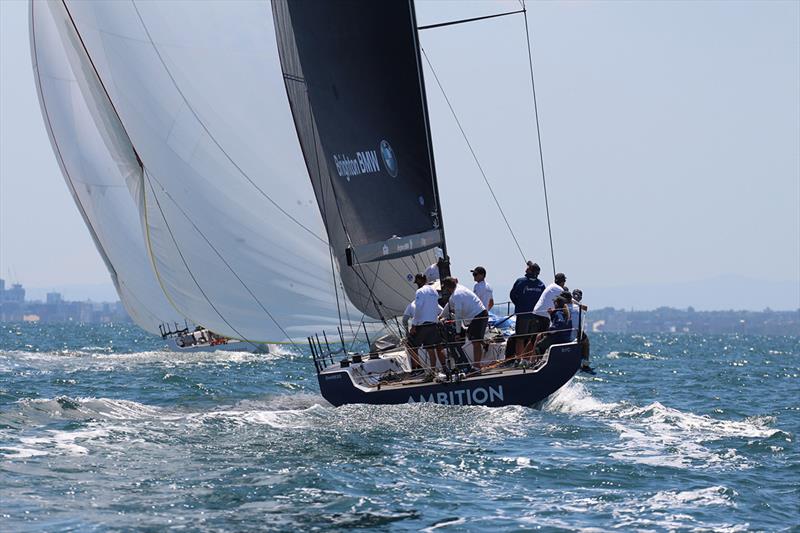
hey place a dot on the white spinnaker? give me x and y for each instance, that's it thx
(97, 162)
(232, 223)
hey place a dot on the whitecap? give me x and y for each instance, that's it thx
(662, 436)
(573, 398)
(448, 522)
(716, 495)
(20, 453)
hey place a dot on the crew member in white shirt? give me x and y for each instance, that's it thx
(482, 289)
(408, 314)
(466, 306)
(424, 326)
(548, 297)
(432, 272)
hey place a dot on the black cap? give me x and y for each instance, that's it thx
(478, 270)
(566, 295)
(577, 294)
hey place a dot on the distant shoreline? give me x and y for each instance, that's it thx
(606, 320)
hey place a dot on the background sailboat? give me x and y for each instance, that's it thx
(196, 116)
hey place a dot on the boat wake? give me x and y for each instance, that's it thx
(105, 361)
(658, 435)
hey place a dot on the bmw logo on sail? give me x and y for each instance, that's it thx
(389, 160)
(366, 162)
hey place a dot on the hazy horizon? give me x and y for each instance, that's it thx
(770, 295)
(671, 139)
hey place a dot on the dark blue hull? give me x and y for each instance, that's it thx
(511, 387)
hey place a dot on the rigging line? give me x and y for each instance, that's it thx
(539, 135)
(363, 314)
(462, 21)
(346, 307)
(70, 181)
(415, 260)
(213, 139)
(186, 264)
(403, 259)
(386, 283)
(474, 156)
(371, 293)
(335, 287)
(439, 217)
(400, 274)
(221, 257)
(100, 80)
(325, 217)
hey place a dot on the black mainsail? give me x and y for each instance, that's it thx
(354, 79)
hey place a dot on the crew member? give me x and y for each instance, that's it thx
(408, 314)
(424, 327)
(548, 297)
(466, 306)
(432, 272)
(483, 289)
(524, 294)
(560, 326)
(582, 337)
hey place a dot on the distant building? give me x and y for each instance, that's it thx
(54, 298)
(14, 308)
(15, 294)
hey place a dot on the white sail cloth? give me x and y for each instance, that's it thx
(230, 218)
(97, 162)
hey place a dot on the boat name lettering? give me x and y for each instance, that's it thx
(476, 396)
(334, 376)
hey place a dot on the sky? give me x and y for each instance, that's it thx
(670, 137)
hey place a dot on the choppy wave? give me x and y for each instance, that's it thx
(239, 441)
(663, 436)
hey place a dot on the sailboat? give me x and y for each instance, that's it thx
(206, 121)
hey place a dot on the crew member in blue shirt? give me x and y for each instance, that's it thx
(560, 326)
(524, 294)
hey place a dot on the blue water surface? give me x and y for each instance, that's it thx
(102, 429)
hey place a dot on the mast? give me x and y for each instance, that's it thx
(423, 94)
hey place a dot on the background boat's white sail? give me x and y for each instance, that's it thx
(97, 162)
(230, 218)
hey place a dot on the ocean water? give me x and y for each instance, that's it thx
(100, 429)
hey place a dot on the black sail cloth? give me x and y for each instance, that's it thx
(354, 81)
